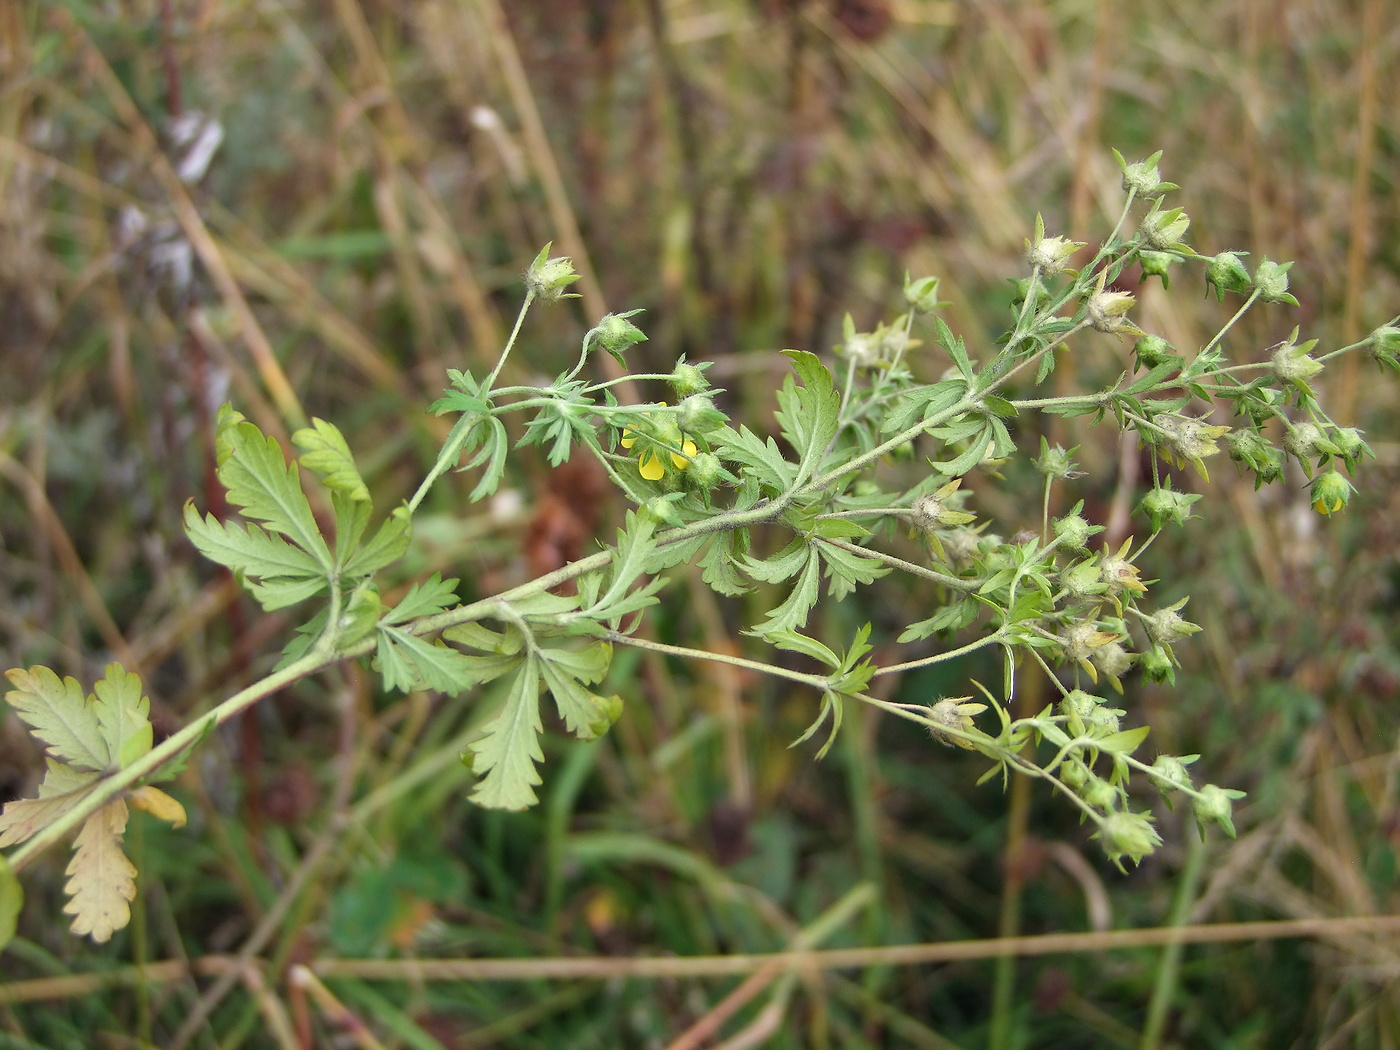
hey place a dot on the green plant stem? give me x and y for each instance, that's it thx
(955, 582)
(510, 343)
(1253, 297)
(816, 681)
(1169, 966)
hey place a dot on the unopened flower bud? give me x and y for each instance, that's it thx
(1128, 835)
(1169, 773)
(1350, 447)
(1105, 311)
(1143, 178)
(1167, 626)
(1292, 363)
(1216, 805)
(1054, 462)
(615, 333)
(547, 278)
(1153, 350)
(1158, 665)
(935, 511)
(1384, 346)
(1049, 255)
(697, 415)
(1073, 531)
(1271, 282)
(1227, 274)
(1330, 492)
(687, 379)
(1157, 264)
(1252, 452)
(1305, 442)
(1164, 229)
(922, 294)
(1163, 505)
(1100, 794)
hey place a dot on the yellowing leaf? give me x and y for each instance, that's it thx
(159, 805)
(102, 882)
(123, 714)
(62, 789)
(58, 714)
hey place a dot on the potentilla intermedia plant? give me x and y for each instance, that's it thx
(800, 507)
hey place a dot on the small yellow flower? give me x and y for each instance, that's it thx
(651, 465)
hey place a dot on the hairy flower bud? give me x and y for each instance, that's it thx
(1073, 531)
(1153, 350)
(1128, 835)
(1143, 178)
(1105, 311)
(1164, 229)
(1049, 255)
(1293, 365)
(1216, 805)
(953, 713)
(547, 278)
(1167, 626)
(1227, 274)
(687, 379)
(935, 510)
(1306, 442)
(1169, 773)
(1162, 506)
(1253, 453)
(1330, 492)
(1157, 264)
(1271, 282)
(614, 333)
(922, 294)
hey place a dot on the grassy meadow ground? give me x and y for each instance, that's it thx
(314, 209)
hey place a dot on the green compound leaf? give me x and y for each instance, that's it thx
(325, 454)
(808, 414)
(847, 571)
(268, 489)
(428, 598)
(720, 564)
(60, 716)
(493, 454)
(408, 662)
(792, 614)
(566, 668)
(764, 460)
(386, 546)
(351, 520)
(277, 573)
(506, 754)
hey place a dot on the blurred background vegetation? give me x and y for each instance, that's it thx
(314, 208)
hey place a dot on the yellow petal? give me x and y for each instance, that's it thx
(680, 461)
(651, 467)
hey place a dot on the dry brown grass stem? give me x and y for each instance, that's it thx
(1341, 931)
(50, 523)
